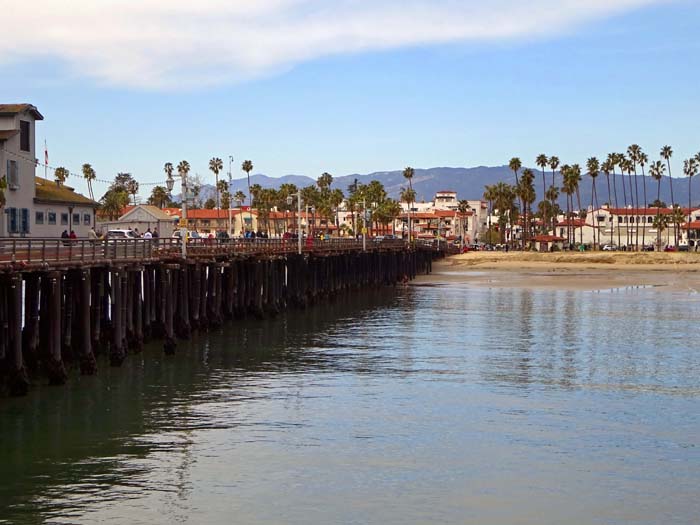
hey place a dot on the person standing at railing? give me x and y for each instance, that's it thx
(92, 235)
(147, 234)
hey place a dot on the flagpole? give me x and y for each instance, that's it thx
(46, 160)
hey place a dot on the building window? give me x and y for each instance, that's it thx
(64, 219)
(24, 221)
(619, 220)
(12, 225)
(76, 219)
(39, 217)
(51, 215)
(12, 175)
(86, 219)
(24, 135)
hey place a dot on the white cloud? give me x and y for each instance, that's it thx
(176, 44)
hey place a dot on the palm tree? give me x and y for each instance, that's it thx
(606, 167)
(216, 165)
(490, 196)
(568, 189)
(660, 223)
(667, 153)
(408, 174)
(61, 174)
(542, 161)
(132, 187)
(690, 169)
(89, 174)
(643, 159)
(656, 170)
(159, 196)
(515, 164)
(526, 191)
(593, 166)
(324, 181)
(634, 152)
(408, 196)
(553, 165)
(239, 197)
(576, 181)
(614, 159)
(552, 198)
(626, 167)
(247, 166)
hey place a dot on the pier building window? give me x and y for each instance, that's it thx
(51, 216)
(24, 135)
(64, 219)
(12, 225)
(76, 219)
(39, 217)
(86, 219)
(24, 220)
(12, 175)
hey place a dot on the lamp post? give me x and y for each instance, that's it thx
(170, 182)
(290, 199)
(230, 161)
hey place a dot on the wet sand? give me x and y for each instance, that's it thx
(672, 272)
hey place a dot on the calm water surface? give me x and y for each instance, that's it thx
(427, 404)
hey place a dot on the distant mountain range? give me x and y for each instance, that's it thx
(468, 183)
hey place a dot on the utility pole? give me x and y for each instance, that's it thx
(183, 219)
(230, 161)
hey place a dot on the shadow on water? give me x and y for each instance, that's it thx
(91, 439)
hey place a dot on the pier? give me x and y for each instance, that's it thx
(65, 302)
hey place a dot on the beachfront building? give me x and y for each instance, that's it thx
(34, 206)
(142, 218)
(624, 227)
(206, 221)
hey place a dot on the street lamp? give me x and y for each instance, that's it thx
(230, 161)
(170, 183)
(290, 199)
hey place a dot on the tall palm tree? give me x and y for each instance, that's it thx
(553, 165)
(606, 167)
(61, 174)
(657, 170)
(490, 196)
(408, 174)
(690, 169)
(216, 165)
(542, 161)
(643, 159)
(526, 191)
(667, 153)
(616, 159)
(593, 166)
(568, 189)
(576, 181)
(626, 167)
(247, 166)
(633, 152)
(515, 164)
(552, 198)
(90, 175)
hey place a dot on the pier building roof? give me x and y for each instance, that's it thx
(49, 191)
(13, 109)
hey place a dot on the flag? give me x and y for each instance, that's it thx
(46, 155)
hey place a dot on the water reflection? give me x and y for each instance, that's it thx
(417, 405)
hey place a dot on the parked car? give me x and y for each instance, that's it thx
(670, 248)
(190, 235)
(120, 234)
(609, 248)
(380, 238)
(648, 248)
(683, 247)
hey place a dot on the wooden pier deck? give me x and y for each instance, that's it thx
(63, 302)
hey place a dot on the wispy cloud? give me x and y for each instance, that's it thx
(174, 44)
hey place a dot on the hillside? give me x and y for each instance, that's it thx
(469, 183)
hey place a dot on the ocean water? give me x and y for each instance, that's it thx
(422, 404)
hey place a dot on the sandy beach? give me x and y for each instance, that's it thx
(571, 271)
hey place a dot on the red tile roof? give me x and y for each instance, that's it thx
(547, 238)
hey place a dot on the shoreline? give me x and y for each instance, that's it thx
(662, 272)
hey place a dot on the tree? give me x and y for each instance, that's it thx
(643, 159)
(593, 166)
(159, 197)
(553, 165)
(209, 204)
(247, 166)
(515, 164)
(666, 154)
(660, 224)
(239, 197)
(61, 174)
(113, 202)
(408, 174)
(613, 160)
(656, 170)
(3, 187)
(132, 187)
(527, 195)
(634, 152)
(216, 165)
(324, 182)
(606, 167)
(542, 161)
(90, 175)
(690, 169)
(408, 196)
(490, 196)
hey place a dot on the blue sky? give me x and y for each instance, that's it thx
(590, 83)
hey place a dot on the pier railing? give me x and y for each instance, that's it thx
(36, 251)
